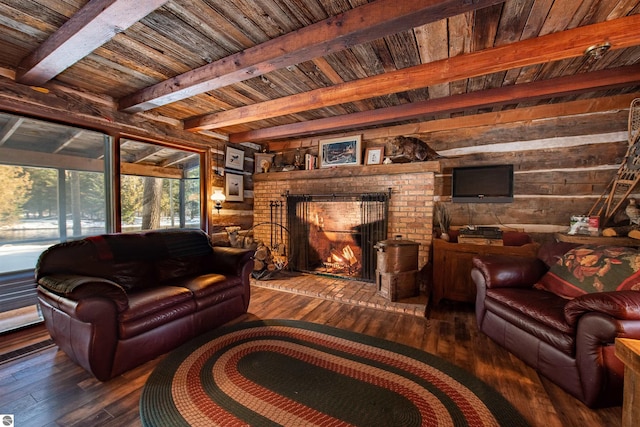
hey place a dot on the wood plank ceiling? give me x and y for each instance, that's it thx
(269, 70)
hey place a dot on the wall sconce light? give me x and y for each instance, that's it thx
(218, 197)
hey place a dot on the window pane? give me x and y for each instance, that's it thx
(53, 188)
(48, 172)
(159, 187)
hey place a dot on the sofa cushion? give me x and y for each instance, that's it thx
(551, 252)
(171, 268)
(160, 299)
(206, 284)
(152, 308)
(591, 268)
(132, 275)
(537, 312)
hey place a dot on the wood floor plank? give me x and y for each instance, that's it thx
(47, 389)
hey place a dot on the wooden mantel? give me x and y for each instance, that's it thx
(351, 171)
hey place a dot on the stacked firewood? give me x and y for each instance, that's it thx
(269, 260)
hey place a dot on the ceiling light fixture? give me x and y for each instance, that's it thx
(597, 51)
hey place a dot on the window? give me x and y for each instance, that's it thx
(54, 188)
(159, 187)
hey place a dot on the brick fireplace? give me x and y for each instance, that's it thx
(410, 205)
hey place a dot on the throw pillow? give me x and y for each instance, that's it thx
(590, 268)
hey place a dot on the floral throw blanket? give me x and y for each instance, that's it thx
(591, 268)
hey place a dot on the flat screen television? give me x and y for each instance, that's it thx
(482, 184)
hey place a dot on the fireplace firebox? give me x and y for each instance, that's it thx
(335, 234)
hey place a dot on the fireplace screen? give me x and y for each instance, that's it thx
(335, 234)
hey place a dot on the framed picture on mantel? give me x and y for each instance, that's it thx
(343, 151)
(373, 156)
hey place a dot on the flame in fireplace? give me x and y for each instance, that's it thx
(342, 260)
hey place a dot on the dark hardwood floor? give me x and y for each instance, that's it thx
(47, 389)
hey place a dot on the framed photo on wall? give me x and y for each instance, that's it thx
(234, 158)
(234, 187)
(343, 151)
(373, 156)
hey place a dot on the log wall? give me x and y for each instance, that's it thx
(233, 213)
(564, 158)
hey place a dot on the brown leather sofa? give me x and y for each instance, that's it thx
(569, 341)
(115, 301)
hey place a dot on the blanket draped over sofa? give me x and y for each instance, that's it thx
(115, 301)
(561, 313)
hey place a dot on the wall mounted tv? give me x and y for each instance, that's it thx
(482, 184)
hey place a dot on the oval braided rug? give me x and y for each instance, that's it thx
(293, 373)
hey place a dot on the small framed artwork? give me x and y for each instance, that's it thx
(234, 187)
(343, 151)
(373, 156)
(234, 158)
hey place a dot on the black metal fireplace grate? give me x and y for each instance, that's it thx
(372, 227)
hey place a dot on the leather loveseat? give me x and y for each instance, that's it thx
(568, 337)
(115, 301)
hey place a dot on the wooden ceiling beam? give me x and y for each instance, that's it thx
(92, 26)
(620, 33)
(559, 86)
(359, 25)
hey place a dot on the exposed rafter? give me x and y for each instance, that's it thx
(560, 86)
(620, 33)
(95, 24)
(362, 24)
(73, 135)
(9, 129)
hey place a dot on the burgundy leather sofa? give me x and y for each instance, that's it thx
(569, 341)
(115, 301)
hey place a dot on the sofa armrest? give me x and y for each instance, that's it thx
(601, 372)
(231, 260)
(623, 305)
(502, 271)
(77, 288)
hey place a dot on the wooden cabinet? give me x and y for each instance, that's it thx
(452, 264)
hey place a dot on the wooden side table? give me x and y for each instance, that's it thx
(452, 264)
(628, 351)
